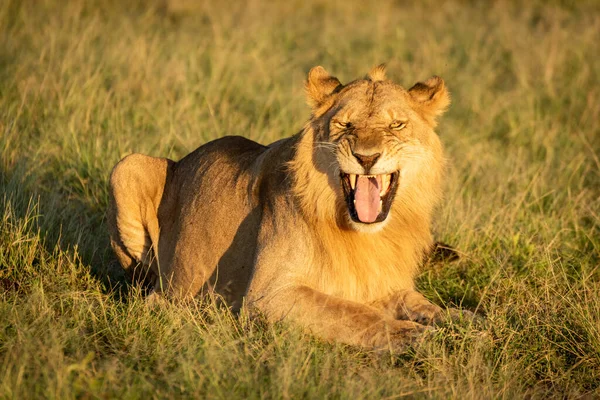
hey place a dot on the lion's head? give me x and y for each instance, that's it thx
(375, 142)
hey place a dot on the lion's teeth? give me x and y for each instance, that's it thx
(353, 181)
(380, 205)
(385, 184)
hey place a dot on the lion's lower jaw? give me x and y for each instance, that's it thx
(368, 228)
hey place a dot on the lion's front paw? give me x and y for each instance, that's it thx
(425, 314)
(395, 335)
(429, 314)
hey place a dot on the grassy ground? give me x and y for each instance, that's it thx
(83, 83)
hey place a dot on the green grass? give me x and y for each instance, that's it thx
(83, 83)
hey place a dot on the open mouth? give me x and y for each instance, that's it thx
(369, 197)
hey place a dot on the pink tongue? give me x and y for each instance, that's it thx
(366, 196)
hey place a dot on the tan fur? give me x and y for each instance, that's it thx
(271, 225)
(377, 73)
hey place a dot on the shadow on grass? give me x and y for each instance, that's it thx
(65, 219)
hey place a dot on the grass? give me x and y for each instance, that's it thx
(83, 83)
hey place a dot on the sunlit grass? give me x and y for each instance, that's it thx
(83, 83)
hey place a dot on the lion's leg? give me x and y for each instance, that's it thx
(412, 305)
(333, 318)
(137, 184)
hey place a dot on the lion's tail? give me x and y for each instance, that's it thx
(137, 184)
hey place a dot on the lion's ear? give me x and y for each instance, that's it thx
(319, 86)
(431, 97)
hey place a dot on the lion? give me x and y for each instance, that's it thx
(326, 228)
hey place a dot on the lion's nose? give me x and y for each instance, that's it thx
(367, 161)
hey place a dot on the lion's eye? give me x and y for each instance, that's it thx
(398, 125)
(342, 124)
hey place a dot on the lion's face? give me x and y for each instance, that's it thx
(383, 139)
